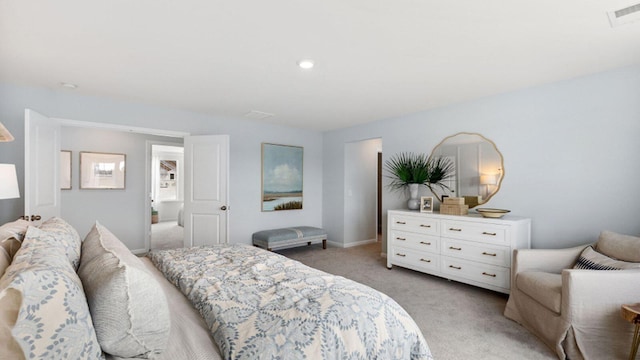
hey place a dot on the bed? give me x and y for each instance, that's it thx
(63, 297)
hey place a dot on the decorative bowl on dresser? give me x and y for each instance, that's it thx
(469, 249)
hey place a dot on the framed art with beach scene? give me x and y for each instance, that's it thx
(281, 177)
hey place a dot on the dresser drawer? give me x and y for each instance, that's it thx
(414, 259)
(486, 274)
(487, 233)
(415, 241)
(484, 253)
(421, 225)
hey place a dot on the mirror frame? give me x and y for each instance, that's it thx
(502, 172)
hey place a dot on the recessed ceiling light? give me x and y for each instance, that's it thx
(69, 85)
(305, 64)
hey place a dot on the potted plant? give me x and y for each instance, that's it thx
(409, 170)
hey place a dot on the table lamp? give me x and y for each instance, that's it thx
(488, 180)
(8, 182)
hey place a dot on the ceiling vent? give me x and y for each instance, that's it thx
(258, 115)
(624, 16)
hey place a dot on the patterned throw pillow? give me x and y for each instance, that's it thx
(59, 231)
(128, 305)
(44, 310)
(593, 260)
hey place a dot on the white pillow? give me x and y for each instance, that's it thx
(128, 307)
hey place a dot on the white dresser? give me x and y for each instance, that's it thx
(470, 249)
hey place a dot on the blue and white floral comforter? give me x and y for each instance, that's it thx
(258, 304)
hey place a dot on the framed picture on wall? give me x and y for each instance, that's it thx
(426, 204)
(281, 177)
(105, 171)
(65, 170)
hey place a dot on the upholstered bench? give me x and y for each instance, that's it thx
(289, 237)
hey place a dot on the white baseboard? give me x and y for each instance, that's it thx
(351, 244)
(140, 251)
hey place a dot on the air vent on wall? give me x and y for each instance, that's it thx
(258, 115)
(624, 16)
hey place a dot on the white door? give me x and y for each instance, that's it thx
(206, 165)
(42, 161)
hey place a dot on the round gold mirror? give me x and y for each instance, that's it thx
(479, 168)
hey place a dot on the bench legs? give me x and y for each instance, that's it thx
(324, 243)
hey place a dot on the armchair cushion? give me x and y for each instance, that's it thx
(593, 260)
(618, 246)
(545, 288)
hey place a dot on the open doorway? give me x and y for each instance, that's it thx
(361, 181)
(167, 196)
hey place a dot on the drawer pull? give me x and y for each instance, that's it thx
(425, 243)
(401, 222)
(454, 229)
(425, 226)
(487, 274)
(403, 255)
(399, 238)
(454, 248)
(455, 267)
(425, 260)
(489, 254)
(488, 233)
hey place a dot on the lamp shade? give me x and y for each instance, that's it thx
(8, 182)
(5, 135)
(488, 179)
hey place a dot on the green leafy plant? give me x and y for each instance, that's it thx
(410, 168)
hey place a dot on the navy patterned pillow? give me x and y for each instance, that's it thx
(593, 260)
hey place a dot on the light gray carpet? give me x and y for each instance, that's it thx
(166, 235)
(458, 321)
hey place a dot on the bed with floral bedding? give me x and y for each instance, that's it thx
(62, 297)
(258, 304)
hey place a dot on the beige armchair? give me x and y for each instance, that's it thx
(576, 312)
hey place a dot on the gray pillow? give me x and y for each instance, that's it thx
(128, 307)
(618, 246)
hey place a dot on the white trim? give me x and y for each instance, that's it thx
(351, 244)
(125, 128)
(140, 251)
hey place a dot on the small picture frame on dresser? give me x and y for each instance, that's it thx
(426, 204)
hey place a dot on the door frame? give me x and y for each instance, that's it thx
(147, 186)
(139, 130)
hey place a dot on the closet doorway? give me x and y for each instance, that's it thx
(167, 196)
(361, 180)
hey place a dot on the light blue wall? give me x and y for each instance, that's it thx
(571, 154)
(245, 150)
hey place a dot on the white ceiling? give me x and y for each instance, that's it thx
(374, 59)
